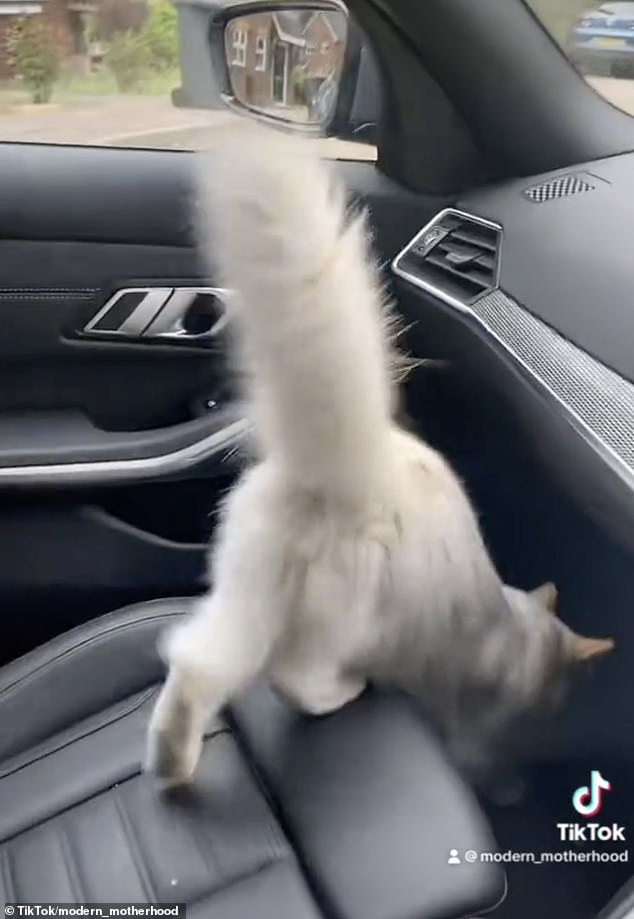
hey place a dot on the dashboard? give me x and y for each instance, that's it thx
(534, 281)
(569, 256)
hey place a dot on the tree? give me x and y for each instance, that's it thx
(161, 35)
(117, 16)
(129, 60)
(35, 58)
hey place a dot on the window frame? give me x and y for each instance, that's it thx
(239, 47)
(261, 53)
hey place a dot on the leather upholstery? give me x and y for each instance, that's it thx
(350, 816)
(621, 906)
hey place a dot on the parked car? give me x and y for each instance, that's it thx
(322, 102)
(602, 40)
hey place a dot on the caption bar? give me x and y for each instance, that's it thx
(98, 910)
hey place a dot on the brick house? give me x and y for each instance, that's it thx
(274, 58)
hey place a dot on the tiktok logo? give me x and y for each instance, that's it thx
(588, 799)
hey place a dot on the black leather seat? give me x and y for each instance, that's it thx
(621, 906)
(350, 816)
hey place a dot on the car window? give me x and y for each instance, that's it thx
(135, 73)
(599, 40)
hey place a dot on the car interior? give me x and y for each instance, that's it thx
(502, 204)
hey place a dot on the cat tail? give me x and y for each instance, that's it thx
(312, 334)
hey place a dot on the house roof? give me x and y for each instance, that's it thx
(293, 25)
(336, 24)
(290, 25)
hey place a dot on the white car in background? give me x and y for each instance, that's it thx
(602, 40)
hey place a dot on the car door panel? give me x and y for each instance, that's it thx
(67, 448)
(115, 450)
(126, 224)
(94, 194)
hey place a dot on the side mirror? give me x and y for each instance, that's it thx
(301, 65)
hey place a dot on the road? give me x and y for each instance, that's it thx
(129, 121)
(618, 92)
(153, 122)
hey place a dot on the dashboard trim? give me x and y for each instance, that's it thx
(106, 472)
(565, 371)
(433, 288)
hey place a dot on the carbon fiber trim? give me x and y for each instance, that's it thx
(594, 397)
(598, 402)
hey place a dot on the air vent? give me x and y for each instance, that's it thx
(455, 257)
(561, 187)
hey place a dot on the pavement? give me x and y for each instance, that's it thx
(153, 122)
(148, 122)
(619, 92)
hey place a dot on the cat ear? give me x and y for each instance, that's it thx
(547, 596)
(586, 649)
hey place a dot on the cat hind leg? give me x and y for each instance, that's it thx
(212, 657)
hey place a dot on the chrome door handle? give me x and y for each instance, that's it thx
(167, 313)
(171, 321)
(128, 312)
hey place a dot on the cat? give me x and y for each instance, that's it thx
(348, 553)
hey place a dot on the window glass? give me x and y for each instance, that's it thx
(599, 40)
(138, 73)
(239, 45)
(260, 53)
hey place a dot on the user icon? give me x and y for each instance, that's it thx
(453, 857)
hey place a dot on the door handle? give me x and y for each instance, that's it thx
(178, 320)
(128, 312)
(169, 313)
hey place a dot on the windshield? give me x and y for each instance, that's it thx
(599, 40)
(143, 73)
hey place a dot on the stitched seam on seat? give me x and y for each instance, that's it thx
(136, 851)
(207, 853)
(320, 896)
(68, 640)
(70, 863)
(7, 873)
(261, 784)
(70, 637)
(256, 774)
(76, 737)
(245, 876)
(69, 652)
(92, 795)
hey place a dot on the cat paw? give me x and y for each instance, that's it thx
(171, 758)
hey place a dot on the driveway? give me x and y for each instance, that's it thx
(618, 92)
(153, 122)
(130, 121)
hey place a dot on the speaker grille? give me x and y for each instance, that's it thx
(561, 187)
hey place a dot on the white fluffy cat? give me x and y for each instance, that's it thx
(349, 552)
